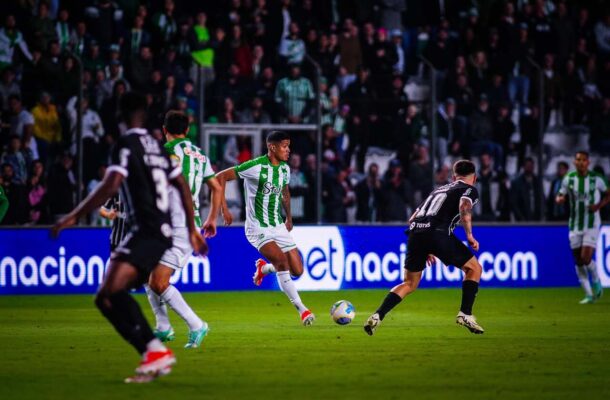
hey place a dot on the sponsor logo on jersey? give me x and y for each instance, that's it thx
(195, 154)
(268, 188)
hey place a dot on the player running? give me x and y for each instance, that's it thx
(266, 181)
(588, 192)
(196, 169)
(431, 234)
(142, 170)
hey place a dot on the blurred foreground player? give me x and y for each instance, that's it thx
(588, 193)
(196, 169)
(266, 180)
(431, 234)
(142, 169)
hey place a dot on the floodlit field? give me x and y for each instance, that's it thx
(539, 344)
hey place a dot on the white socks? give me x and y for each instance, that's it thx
(174, 299)
(592, 269)
(268, 269)
(287, 286)
(159, 309)
(584, 280)
(155, 345)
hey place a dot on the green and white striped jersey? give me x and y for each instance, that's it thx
(263, 184)
(583, 191)
(196, 169)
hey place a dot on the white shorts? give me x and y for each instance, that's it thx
(178, 255)
(587, 238)
(258, 237)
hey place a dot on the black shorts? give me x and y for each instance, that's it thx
(141, 251)
(448, 248)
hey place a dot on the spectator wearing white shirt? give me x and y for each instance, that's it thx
(10, 38)
(292, 48)
(92, 132)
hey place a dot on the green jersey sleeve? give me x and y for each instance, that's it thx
(3, 203)
(563, 190)
(601, 184)
(249, 169)
(208, 172)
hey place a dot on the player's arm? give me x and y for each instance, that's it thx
(223, 177)
(286, 205)
(466, 220)
(107, 210)
(108, 187)
(216, 191)
(197, 241)
(604, 201)
(560, 198)
(108, 213)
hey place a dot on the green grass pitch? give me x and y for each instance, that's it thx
(538, 344)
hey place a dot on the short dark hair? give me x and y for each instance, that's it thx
(277, 136)
(176, 122)
(463, 168)
(132, 103)
(583, 152)
(563, 164)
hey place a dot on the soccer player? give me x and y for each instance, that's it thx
(266, 181)
(588, 193)
(113, 210)
(142, 169)
(431, 234)
(196, 169)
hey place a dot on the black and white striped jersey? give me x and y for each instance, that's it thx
(441, 210)
(118, 224)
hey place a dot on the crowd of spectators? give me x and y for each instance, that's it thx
(254, 58)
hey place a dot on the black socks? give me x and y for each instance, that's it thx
(390, 301)
(126, 316)
(469, 292)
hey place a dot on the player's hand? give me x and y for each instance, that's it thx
(594, 207)
(288, 223)
(560, 199)
(112, 214)
(473, 242)
(430, 260)
(209, 229)
(226, 216)
(65, 222)
(199, 244)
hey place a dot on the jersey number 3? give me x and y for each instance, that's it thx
(160, 179)
(432, 205)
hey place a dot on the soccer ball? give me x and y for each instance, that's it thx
(342, 312)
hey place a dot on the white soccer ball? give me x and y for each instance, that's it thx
(342, 312)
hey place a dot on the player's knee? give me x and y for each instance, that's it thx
(102, 301)
(281, 264)
(158, 285)
(586, 261)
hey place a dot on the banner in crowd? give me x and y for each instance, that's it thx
(334, 258)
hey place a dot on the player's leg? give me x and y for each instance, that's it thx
(583, 276)
(586, 257)
(295, 266)
(576, 244)
(414, 265)
(124, 313)
(159, 283)
(272, 252)
(451, 251)
(163, 328)
(470, 287)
